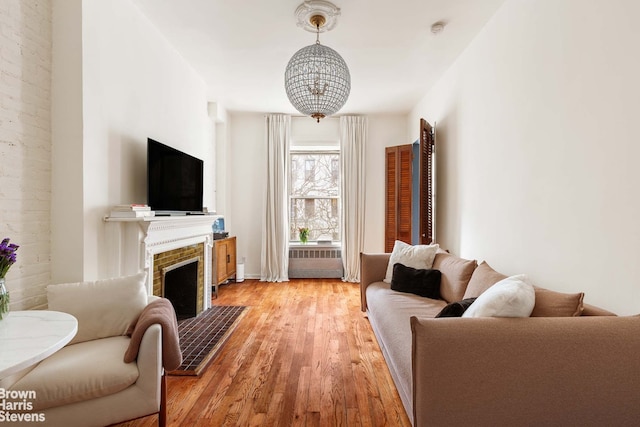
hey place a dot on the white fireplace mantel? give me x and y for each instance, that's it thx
(133, 242)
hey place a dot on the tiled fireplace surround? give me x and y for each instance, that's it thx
(151, 244)
(175, 256)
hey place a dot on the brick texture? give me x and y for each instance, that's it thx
(168, 258)
(25, 146)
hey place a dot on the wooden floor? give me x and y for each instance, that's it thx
(303, 355)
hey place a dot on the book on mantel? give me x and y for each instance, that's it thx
(131, 211)
(132, 207)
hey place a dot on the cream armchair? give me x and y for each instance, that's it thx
(87, 383)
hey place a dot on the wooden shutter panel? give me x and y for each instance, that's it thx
(427, 147)
(391, 155)
(405, 173)
(398, 161)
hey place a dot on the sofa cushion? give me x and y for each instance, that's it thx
(456, 308)
(510, 297)
(456, 273)
(389, 314)
(418, 256)
(80, 372)
(483, 278)
(423, 282)
(557, 304)
(104, 308)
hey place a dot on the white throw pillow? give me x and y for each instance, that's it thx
(510, 297)
(104, 308)
(418, 256)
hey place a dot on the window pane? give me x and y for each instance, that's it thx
(315, 188)
(309, 169)
(314, 174)
(320, 215)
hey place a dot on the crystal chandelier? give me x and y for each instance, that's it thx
(317, 79)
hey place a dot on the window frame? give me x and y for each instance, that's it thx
(328, 150)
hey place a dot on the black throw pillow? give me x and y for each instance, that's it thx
(456, 308)
(425, 283)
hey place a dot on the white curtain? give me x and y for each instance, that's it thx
(275, 218)
(353, 136)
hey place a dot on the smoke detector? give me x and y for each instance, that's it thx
(437, 27)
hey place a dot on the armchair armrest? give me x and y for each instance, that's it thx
(373, 268)
(149, 363)
(151, 298)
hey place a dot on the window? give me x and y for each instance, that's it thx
(315, 193)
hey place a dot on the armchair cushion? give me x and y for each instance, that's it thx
(104, 308)
(80, 372)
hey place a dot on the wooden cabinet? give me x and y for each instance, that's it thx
(224, 261)
(409, 178)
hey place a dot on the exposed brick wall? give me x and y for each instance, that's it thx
(25, 145)
(168, 258)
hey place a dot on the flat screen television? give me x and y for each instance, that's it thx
(174, 180)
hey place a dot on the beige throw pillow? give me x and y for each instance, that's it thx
(419, 257)
(103, 308)
(456, 273)
(557, 304)
(482, 279)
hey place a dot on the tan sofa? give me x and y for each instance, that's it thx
(87, 383)
(552, 371)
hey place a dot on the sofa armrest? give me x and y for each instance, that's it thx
(373, 268)
(533, 371)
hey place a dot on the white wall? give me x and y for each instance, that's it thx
(384, 131)
(246, 174)
(134, 85)
(246, 171)
(537, 148)
(25, 146)
(67, 218)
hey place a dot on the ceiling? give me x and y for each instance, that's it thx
(241, 47)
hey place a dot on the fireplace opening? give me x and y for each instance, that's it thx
(180, 286)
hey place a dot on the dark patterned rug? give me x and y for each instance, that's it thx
(201, 337)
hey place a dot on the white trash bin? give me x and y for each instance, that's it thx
(240, 270)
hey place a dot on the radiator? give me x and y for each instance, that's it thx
(305, 263)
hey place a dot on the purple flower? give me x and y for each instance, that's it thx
(7, 256)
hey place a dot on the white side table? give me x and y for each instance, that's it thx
(30, 336)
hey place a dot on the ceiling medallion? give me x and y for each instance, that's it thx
(329, 11)
(317, 79)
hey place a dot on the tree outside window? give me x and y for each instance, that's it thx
(309, 169)
(315, 194)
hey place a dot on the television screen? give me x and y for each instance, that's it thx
(174, 179)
